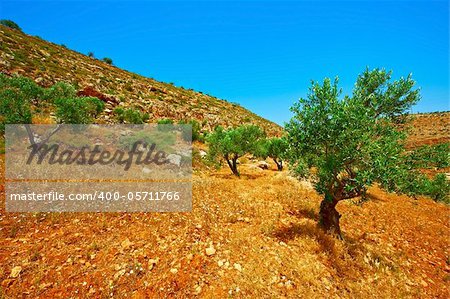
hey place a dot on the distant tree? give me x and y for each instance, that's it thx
(351, 142)
(91, 54)
(234, 143)
(80, 110)
(10, 24)
(108, 60)
(274, 148)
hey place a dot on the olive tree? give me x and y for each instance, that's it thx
(274, 148)
(350, 142)
(16, 94)
(233, 143)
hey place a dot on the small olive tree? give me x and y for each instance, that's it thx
(275, 148)
(233, 143)
(350, 142)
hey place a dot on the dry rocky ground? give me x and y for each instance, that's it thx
(250, 237)
(429, 129)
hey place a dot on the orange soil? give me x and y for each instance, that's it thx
(263, 228)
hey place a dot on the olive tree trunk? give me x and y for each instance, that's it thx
(279, 164)
(329, 217)
(232, 163)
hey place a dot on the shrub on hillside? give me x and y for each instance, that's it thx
(430, 156)
(78, 110)
(60, 90)
(193, 134)
(17, 94)
(14, 108)
(438, 188)
(10, 24)
(108, 60)
(130, 116)
(165, 124)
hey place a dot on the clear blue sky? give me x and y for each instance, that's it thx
(259, 54)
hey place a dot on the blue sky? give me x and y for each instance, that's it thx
(262, 55)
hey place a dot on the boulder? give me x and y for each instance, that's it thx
(263, 165)
(174, 159)
(203, 154)
(89, 91)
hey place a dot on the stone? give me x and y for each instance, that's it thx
(198, 290)
(263, 165)
(119, 274)
(126, 243)
(203, 154)
(237, 267)
(15, 271)
(91, 92)
(210, 251)
(174, 159)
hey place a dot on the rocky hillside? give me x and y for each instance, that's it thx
(429, 129)
(48, 63)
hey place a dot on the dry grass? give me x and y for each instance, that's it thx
(263, 227)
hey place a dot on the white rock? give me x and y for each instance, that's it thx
(174, 159)
(15, 271)
(198, 290)
(126, 243)
(263, 165)
(237, 267)
(203, 154)
(210, 250)
(186, 153)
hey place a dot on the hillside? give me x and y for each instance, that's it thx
(48, 63)
(429, 129)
